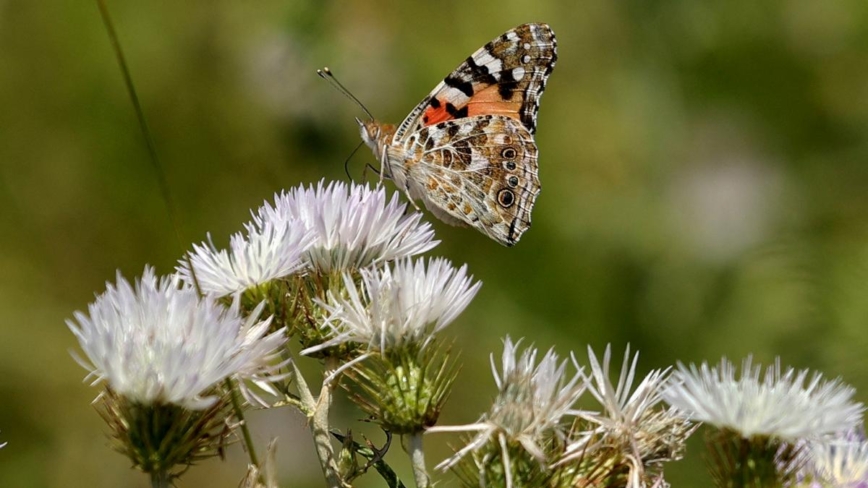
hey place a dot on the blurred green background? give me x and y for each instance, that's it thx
(704, 168)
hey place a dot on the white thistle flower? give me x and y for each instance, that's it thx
(629, 420)
(622, 409)
(532, 400)
(842, 463)
(406, 303)
(158, 343)
(354, 226)
(269, 251)
(776, 404)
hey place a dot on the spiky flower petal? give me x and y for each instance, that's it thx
(633, 433)
(763, 418)
(354, 226)
(157, 343)
(269, 251)
(842, 463)
(527, 414)
(393, 316)
(779, 403)
(399, 305)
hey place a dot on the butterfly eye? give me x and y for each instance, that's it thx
(513, 181)
(508, 153)
(505, 198)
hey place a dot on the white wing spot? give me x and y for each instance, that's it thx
(525, 59)
(517, 73)
(455, 96)
(478, 163)
(493, 64)
(526, 45)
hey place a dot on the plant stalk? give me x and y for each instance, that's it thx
(319, 424)
(245, 431)
(160, 173)
(160, 479)
(417, 459)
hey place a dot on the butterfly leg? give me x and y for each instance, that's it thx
(410, 199)
(383, 159)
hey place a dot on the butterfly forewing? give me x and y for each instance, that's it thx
(507, 76)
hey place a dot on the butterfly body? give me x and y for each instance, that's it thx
(467, 150)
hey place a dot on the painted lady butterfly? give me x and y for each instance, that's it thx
(467, 150)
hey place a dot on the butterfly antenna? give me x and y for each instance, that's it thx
(327, 75)
(347, 162)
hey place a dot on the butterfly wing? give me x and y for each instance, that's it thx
(479, 171)
(505, 77)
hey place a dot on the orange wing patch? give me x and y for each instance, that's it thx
(438, 111)
(488, 100)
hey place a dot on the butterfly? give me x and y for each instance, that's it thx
(467, 150)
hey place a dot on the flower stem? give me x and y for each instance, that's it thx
(245, 432)
(160, 479)
(159, 170)
(417, 458)
(319, 424)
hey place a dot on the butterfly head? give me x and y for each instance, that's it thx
(376, 136)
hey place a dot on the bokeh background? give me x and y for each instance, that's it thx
(704, 169)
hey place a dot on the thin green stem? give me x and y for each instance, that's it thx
(140, 115)
(160, 479)
(245, 431)
(417, 459)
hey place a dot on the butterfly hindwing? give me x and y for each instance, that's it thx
(479, 171)
(505, 77)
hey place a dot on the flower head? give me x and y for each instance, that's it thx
(781, 404)
(631, 428)
(840, 462)
(393, 316)
(623, 407)
(269, 251)
(354, 226)
(400, 305)
(532, 400)
(157, 343)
